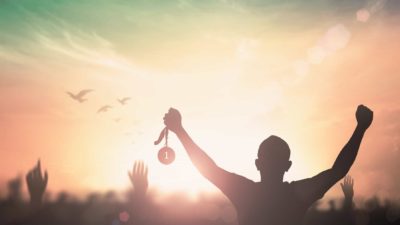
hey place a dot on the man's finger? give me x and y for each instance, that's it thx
(142, 168)
(130, 175)
(46, 177)
(135, 168)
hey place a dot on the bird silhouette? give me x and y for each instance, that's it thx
(104, 108)
(79, 97)
(123, 100)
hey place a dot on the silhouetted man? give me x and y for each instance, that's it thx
(271, 201)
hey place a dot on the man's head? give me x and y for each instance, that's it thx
(273, 157)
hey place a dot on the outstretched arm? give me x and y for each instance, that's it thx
(347, 156)
(199, 158)
(229, 183)
(318, 185)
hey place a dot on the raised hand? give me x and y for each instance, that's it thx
(36, 184)
(173, 120)
(364, 116)
(347, 187)
(138, 178)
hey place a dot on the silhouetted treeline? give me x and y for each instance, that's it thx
(108, 209)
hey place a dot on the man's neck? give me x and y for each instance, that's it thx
(271, 179)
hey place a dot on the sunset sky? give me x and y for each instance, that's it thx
(238, 70)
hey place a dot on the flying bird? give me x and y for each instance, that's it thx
(79, 97)
(104, 108)
(123, 100)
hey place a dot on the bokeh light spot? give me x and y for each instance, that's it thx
(363, 15)
(124, 216)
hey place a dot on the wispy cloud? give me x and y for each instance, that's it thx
(100, 53)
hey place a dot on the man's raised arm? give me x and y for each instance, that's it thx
(315, 187)
(200, 159)
(347, 156)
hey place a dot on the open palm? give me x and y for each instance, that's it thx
(138, 177)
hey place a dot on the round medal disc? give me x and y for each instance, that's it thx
(166, 155)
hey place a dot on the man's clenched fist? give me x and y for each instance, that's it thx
(364, 116)
(173, 120)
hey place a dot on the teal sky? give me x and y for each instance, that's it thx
(144, 22)
(140, 28)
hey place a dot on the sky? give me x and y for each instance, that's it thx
(237, 70)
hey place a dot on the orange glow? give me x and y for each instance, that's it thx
(233, 91)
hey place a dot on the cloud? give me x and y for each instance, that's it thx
(100, 53)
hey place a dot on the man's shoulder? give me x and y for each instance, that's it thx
(241, 179)
(234, 186)
(300, 186)
(302, 181)
(306, 189)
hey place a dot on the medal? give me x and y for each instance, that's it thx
(165, 155)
